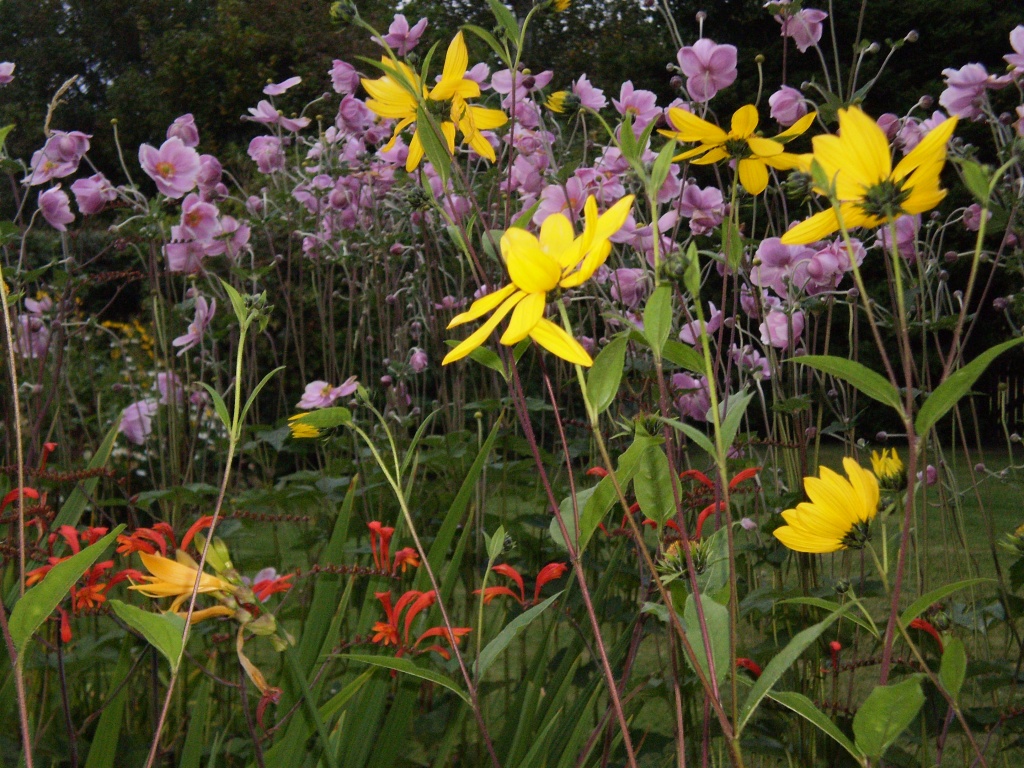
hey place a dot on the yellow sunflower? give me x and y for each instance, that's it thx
(400, 94)
(889, 469)
(538, 266)
(838, 513)
(858, 164)
(754, 154)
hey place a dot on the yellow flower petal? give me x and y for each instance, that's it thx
(532, 270)
(483, 305)
(479, 336)
(744, 122)
(559, 343)
(818, 227)
(689, 128)
(753, 175)
(525, 316)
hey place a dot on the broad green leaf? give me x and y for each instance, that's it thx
(780, 662)
(683, 355)
(505, 19)
(435, 147)
(162, 630)
(804, 707)
(71, 511)
(407, 667)
(872, 384)
(495, 543)
(958, 384)
(658, 318)
(976, 179)
(653, 487)
(732, 243)
(691, 273)
(922, 603)
(716, 618)
(39, 602)
(219, 405)
(606, 373)
(309, 705)
(885, 714)
(509, 633)
(103, 751)
(198, 709)
(735, 407)
(660, 169)
(627, 141)
(340, 699)
(953, 668)
(603, 497)
(326, 418)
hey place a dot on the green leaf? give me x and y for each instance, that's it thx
(4, 133)
(39, 602)
(327, 418)
(691, 273)
(340, 699)
(658, 318)
(162, 630)
(653, 487)
(702, 440)
(953, 669)
(237, 303)
(976, 179)
(218, 405)
(495, 543)
(434, 145)
(885, 714)
(407, 667)
(867, 623)
(486, 357)
(488, 38)
(806, 709)
(922, 603)
(509, 633)
(872, 384)
(683, 355)
(606, 374)
(780, 662)
(660, 169)
(732, 244)
(198, 709)
(103, 751)
(716, 618)
(627, 141)
(71, 511)
(505, 19)
(259, 387)
(735, 407)
(959, 383)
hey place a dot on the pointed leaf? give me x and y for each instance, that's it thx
(922, 603)
(219, 405)
(327, 418)
(39, 602)
(661, 167)
(716, 618)
(653, 487)
(509, 633)
(976, 179)
(953, 669)
(735, 407)
(732, 243)
(605, 374)
(658, 318)
(885, 714)
(806, 709)
(958, 384)
(872, 384)
(505, 19)
(434, 145)
(258, 388)
(71, 511)
(162, 630)
(407, 667)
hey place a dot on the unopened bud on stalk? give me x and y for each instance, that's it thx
(912, 36)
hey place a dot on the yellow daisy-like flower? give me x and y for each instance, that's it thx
(299, 429)
(556, 101)
(753, 154)
(400, 94)
(858, 164)
(838, 514)
(889, 469)
(537, 266)
(172, 578)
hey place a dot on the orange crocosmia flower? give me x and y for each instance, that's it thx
(507, 570)
(267, 587)
(457, 633)
(405, 557)
(202, 523)
(88, 597)
(549, 572)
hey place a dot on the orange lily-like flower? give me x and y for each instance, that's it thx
(549, 572)
(177, 578)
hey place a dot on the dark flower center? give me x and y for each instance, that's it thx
(857, 536)
(885, 199)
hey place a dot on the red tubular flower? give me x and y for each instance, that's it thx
(146, 540)
(65, 626)
(405, 557)
(597, 472)
(270, 696)
(492, 592)
(267, 587)
(10, 498)
(88, 597)
(48, 448)
(697, 475)
(704, 515)
(424, 600)
(549, 572)
(452, 637)
(927, 626)
(70, 535)
(202, 523)
(380, 544)
(507, 570)
(750, 665)
(833, 650)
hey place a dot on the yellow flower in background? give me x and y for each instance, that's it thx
(869, 190)
(561, 6)
(556, 101)
(172, 578)
(299, 430)
(838, 513)
(889, 469)
(538, 266)
(754, 154)
(400, 93)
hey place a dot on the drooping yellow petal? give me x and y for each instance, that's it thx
(764, 147)
(559, 343)
(797, 128)
(866, 145)
(712, 156)
(525, 316)
(483, 305)
(753, 175)
(415, 152)
(818, 227)
(691, 128)
(930, 151)
(557, 236)
(479, 336)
